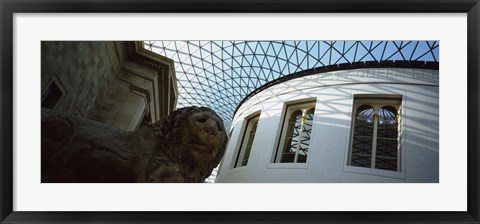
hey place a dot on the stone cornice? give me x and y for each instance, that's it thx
(140, 55)
(164, 94)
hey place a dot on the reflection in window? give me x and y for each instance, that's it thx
(247, 142)
(387, 139)
(375, 141)
(363, 137)
(296, 138)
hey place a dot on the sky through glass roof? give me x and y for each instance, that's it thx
(220, 74)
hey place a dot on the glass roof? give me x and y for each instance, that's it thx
(220, 74)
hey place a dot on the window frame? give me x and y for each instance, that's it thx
(378, 101)
(239, 154)
(54, 81)
(287, 111)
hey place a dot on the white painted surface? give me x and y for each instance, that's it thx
(330, 143)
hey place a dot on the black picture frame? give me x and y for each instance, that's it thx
(9, 7)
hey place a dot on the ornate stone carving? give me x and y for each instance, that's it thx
(183, 147)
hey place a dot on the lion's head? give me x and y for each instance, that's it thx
(193, 140)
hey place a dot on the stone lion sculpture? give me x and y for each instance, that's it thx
(182, 148)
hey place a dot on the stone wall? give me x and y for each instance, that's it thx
(82, 70)
(115, 83)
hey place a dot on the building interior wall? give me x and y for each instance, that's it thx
(330, 142)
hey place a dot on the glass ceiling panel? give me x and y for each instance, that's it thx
(220, 74)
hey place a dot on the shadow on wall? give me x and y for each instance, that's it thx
(330, 141)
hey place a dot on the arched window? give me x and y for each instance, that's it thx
(363, 137)
(375, 140)
(296, 133)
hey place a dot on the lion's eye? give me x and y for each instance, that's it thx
(201, 120)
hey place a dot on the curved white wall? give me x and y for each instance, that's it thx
(330, 142)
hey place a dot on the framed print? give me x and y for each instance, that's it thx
(320, 112)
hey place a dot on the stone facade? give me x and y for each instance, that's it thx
(116, 83)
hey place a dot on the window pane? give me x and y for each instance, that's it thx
(362, 137)
(247, 142)
(297, 139)
(307, 130)
(292, 137)
(387, 143)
